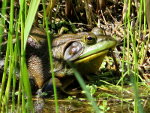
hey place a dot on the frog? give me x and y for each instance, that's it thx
(84, 50)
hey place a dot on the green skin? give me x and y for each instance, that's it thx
(85, 50)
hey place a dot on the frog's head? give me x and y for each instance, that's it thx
(86, 49)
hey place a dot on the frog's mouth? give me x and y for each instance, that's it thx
(93, 56)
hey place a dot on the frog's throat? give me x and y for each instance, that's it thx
(91, 57)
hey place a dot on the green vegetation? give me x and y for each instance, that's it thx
(123, 77)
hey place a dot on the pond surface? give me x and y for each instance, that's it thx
(109, 100)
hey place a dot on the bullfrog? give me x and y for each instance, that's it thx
(85, 50)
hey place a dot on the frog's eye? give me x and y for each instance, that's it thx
(90, 40)
(73, 51)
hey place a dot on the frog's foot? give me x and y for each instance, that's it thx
(48, 87)
(68, 84)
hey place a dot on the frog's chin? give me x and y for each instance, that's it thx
(89, 58)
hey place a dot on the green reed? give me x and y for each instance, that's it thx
(2, 20)
(16, 56)
(50, 56)
(131, 52)
(4, 95)
(25, 29)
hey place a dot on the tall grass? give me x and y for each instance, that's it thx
(14, 57)
(4, 95)
(133, 26)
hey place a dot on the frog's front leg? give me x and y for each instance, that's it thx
(36, 72)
